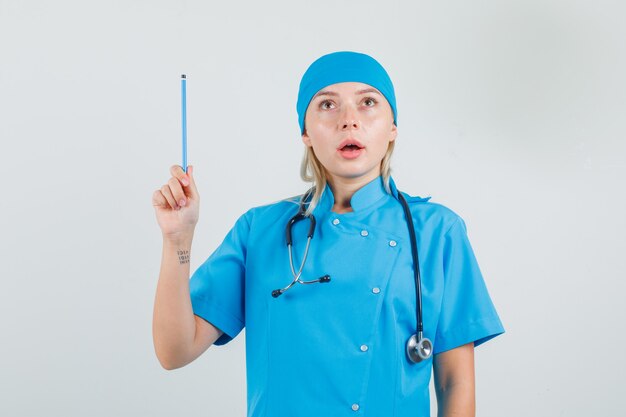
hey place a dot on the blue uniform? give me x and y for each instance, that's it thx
(339, 348)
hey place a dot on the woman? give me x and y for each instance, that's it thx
(339, 345)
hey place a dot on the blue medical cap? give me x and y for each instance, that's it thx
(339, 67)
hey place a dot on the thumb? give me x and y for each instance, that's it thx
(193, 190)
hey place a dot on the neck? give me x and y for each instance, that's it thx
(344, 189)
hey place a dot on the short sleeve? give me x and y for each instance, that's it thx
(467, 312)
(217, 287)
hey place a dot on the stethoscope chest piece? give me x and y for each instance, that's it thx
(419, 348)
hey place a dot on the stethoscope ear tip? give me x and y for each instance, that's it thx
(276, 293)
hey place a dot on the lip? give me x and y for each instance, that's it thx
(350, 153)
(350, 141)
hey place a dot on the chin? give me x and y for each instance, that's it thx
(354, 174)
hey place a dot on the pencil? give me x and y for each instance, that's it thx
(183, 86)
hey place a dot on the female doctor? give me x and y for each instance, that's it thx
(331, 286)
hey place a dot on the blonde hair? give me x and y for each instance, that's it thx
(312, 170)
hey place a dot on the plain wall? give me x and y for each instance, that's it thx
(509, 112)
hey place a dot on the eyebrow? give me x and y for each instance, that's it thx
(332, 93)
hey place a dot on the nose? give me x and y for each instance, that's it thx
(349, 119)
(353, 124)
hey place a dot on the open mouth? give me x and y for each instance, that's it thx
(350, 149)
(350, 144)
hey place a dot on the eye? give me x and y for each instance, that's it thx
(325, 104)
(371, 100)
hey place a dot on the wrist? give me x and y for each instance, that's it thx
(182, 239)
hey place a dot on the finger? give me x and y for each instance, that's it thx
(178, 173)
(177, 191)
(158, 200)
(187, 182)
(192, 190)
(167, 193)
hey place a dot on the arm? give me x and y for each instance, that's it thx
(454, 382)
(179, 336)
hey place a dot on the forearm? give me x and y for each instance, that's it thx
(454, 382)
(456, 401)
(173, 325)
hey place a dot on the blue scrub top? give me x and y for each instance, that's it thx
(339, 348)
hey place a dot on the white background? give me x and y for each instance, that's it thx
(509, 112)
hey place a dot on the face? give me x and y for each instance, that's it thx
(349, 126)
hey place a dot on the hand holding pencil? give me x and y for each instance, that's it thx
(177, 202)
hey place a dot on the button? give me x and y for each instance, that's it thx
(355, 407)
(336, 222)
(364, 233)
(392, 243)
(364, 348)
(375, 290)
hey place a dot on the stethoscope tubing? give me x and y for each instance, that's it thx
(418, 347)
(416, 264)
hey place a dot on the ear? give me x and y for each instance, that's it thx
(394, 132)
(306, 139)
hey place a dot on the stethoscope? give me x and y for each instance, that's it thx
(418, 347)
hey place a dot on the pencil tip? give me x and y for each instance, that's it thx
(183, 76)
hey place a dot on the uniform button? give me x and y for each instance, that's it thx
(375, 290)
(364, 348)
(392, 243)
(364, 233)
(355, 407)
(336, 222)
